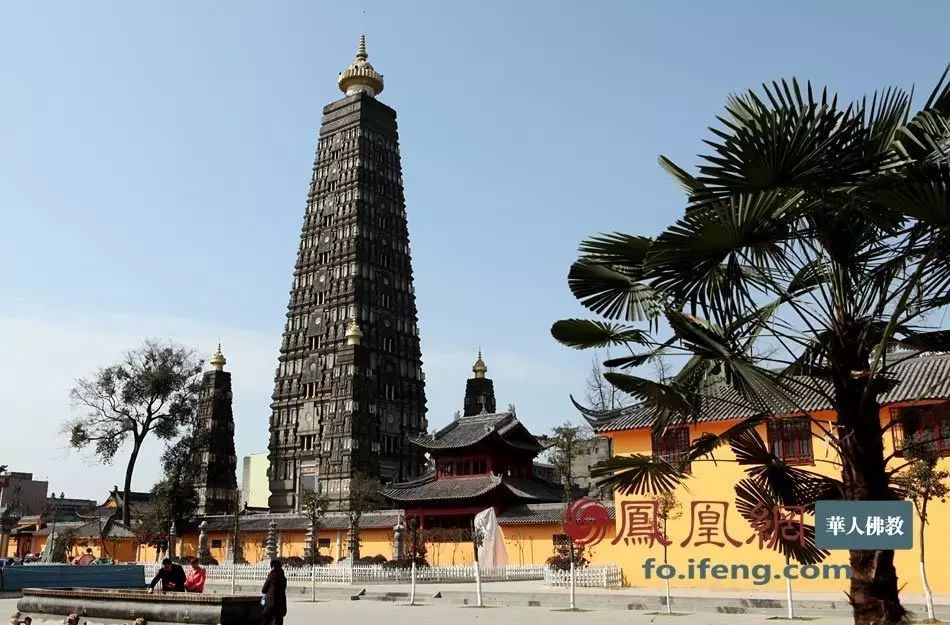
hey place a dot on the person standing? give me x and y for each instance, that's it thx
(196, 577)
(172, 577)
(275, 595)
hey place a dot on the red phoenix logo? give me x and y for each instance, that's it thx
(585, 521)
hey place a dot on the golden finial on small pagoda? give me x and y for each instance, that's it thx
(479, 368)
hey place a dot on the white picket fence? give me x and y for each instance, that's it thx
(593, 575)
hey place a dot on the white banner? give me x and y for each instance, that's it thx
(492, 551)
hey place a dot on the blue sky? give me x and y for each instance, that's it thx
(154, 160)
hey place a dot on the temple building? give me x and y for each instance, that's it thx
(214, 440)
(480, 460)
(349, 388)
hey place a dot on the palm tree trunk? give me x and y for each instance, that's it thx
(874, 588)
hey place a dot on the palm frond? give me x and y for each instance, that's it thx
(587, 333)
(788, 535)
(788, 485)
(660, 397)
(703, 256)
(707, 443)
(618, 249)
(638, 474)
(612, 293)
(785, 140)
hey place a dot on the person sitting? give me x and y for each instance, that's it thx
(172, 577)
(85, 559)
(196, 577)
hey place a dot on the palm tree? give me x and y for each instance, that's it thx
(815, 236)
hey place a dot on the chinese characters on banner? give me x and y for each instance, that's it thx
(873, 526)
(864, 525)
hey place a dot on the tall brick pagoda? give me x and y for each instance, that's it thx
(349, 390)
(214, 434)
(479, 390)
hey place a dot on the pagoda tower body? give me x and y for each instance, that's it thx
(479, 390)
(214, 441)
(349, 390)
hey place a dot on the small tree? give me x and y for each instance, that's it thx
(565, 446)
(565, 449)
(363, 497)
(668, 508)
(314, 506)
(153, 390)
(175, 497)
(923, 483)
(61, 543)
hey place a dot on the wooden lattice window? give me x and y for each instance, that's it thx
(790, 440)
(925, 425)
(672, 445)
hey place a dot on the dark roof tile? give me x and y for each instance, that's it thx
(919, 377)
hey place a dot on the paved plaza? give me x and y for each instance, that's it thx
(372, 612)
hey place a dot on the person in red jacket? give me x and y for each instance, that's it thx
(195, 582)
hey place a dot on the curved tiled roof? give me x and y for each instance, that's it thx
(89, 529)
(431, 488)
(467, 431)
(917, 377)
(293, 521)
(531, 513)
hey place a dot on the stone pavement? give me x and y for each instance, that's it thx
(345, 613)
(533, 594)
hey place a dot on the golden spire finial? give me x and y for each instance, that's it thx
(360, 75)
(361, 51)
(479, 369)
(217, 359)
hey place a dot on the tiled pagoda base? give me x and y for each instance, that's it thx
(95, 606)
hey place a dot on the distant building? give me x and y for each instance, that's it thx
(255, 489)
(593, 452)
(546, 471)
(21, 495)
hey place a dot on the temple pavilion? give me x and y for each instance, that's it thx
(479, 460)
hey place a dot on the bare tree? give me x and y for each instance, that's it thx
(152, 390)
(601, 394)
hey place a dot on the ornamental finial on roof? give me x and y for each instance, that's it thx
(479, 369)
(360, 75)
(361, 51)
